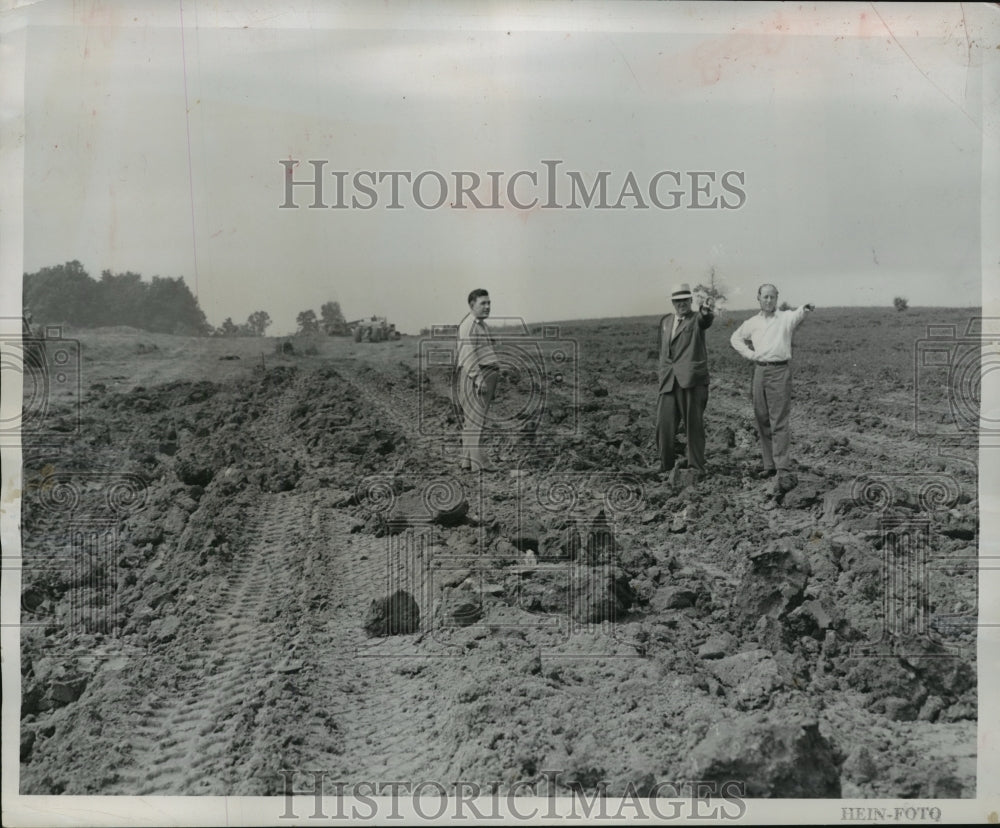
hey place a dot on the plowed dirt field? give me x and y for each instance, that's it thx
(209, 543)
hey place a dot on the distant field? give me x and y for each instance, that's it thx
(843, 343)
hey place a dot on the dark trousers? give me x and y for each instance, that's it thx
(772, 404)
(687, 404)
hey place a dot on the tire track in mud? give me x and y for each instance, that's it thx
(204, 727)
(387, 694)
(401, 409)
(191, 723)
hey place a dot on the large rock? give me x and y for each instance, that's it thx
(590, 595)
(784, 482)
(773, 584)
(717, 646)
(882, 678)
(960, 528)
(617, 424)
(771, 634)
(753, 677)
(840, 501)
(282, 477)
(602, 594)
(397, 614)
(601, 545)
(175, 521)
(805, 494)
(945, 674)
(193, 472)
(146, 528)
(565, 544)
(673, 597)
(812, 617)
(165, 629)
(445, 508)
(774, 755)
(67, 689)
(527, 535)
(27, 743)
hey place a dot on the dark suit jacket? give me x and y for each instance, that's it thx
(683, 358)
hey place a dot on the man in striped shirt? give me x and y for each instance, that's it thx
(766, 340)
(476, 378)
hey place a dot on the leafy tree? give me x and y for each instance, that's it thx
(171, 308)
(258, 321)
(900, 303)
(333, 320)
(123, 298)
(714, 288)
(307, 322)
(63, 294)
(228, 328)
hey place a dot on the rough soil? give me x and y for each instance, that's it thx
(210, 546)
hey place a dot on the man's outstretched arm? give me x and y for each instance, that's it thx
(706, 313)
(800, 313)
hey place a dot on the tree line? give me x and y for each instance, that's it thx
(66, 294)
(330, 321)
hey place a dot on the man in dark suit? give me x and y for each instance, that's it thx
(683, 374)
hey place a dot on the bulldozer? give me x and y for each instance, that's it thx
(376, 329)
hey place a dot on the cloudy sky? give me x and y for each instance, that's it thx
(854, 135)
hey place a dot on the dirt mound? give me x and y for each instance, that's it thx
(772, 755)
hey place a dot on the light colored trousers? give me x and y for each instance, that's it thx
(475, 409)
(772, 405)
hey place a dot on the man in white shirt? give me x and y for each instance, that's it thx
(770, 335)
(476, 379)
